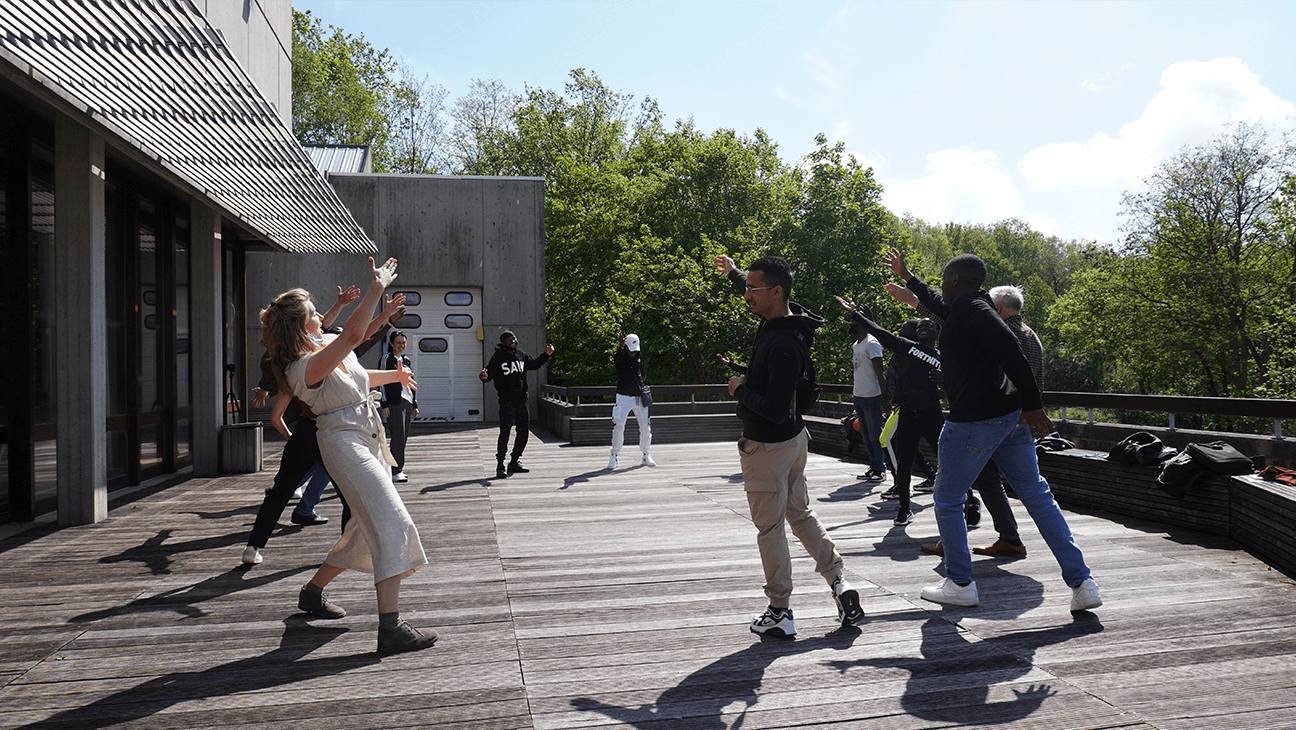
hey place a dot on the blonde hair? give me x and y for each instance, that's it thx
(283, 329)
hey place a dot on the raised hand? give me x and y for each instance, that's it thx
(346, 297)
(902, 295)
(383, 275)
(724, 264)
(895, 261)
(549, 349)
(393, 305)
(846, 304)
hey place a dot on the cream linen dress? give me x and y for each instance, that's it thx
(380, 538)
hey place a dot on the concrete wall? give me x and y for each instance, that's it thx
(444, 230)
(259, 34)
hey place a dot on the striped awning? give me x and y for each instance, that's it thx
(154, 75)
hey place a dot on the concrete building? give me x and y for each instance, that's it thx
(146, 155)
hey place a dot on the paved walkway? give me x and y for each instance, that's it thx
(574, 597)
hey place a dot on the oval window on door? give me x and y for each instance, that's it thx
(433, 344)
(459, 321)
(459, 299)
(412, 298)
(409, 322)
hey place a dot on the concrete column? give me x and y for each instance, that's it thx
(80, 324)
(206, 337)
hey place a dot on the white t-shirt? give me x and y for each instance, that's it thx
(866, 380)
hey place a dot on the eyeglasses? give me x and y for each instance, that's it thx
(757, 288)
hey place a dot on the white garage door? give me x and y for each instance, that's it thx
(442, 325)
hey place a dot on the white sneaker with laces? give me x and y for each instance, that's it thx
(251, 556)
(1085, 596)
(400, 477)
(847, 599)
(776, 622)
(952, 594)
(648, 461)
(612, 463)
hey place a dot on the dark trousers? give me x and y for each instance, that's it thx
(300, 454)
(911, 426)
(399, 416)
(513, 415)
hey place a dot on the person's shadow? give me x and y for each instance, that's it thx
(155, 553)
(702, 696)
(281, 666)
(951, 682)
(185, 600)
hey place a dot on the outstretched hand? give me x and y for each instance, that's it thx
(901, 294)
(724, 264)
(383, 275)
(405, 377)
(549, 349)
(894, 260)
(846, 304)
(344, 298)
(393, 305)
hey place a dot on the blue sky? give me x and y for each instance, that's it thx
(967, 111)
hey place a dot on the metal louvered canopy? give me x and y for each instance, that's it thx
(154, 75)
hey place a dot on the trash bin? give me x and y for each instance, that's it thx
(241, 448)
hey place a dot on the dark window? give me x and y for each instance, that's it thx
(433, 344)
(412, 298)
(459, 321)
(409, 322)
(459, 298)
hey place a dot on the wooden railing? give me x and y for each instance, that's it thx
(1272, 408)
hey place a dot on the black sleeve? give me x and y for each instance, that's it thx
(775, 405)
(390, 391)
(268, 381)
(929, 298)
(891, 342)
(739, 279)
(535, 363)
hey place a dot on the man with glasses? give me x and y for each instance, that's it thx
(773, 447)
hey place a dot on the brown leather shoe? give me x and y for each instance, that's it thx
(933, 548)
(1002, 549)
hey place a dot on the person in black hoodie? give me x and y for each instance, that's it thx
(995, 412)
(773, 447)
(508, 368)
(630, 399)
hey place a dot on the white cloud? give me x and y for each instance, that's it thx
(1196, 99)
(1044, 225)
(959, 186)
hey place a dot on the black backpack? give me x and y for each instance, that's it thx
(1141, 449)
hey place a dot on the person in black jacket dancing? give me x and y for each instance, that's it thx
(916, 395)
(508, 368)
(774, 445)
(399, 403)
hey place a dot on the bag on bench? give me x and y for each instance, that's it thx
(1141, 449)
(1220, 458)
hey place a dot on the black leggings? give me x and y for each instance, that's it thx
(911, 426)
(300, 454)
(513, 415)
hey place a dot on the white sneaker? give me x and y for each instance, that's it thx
(648, 461)
(849, 612)
(951, 593)
(612, 463)
(251, 556)
(400, 477)
(1085, 596)
(775, 622)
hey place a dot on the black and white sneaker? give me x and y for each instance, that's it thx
(849, 611)
(902, 518)
(925, 485)
(891, 494)
(872, 475)
(775, 622)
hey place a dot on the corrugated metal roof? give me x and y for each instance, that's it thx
(156, 75)
(340, 158)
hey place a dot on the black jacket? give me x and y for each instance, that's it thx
(391, 392)
(986, 374)
(780, 356)
(629, 371)
(912, 363)
(508, 368)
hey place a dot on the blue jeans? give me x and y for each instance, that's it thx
(964, 450)
(870, 412)
(317, 479)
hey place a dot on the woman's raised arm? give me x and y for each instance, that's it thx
(326, 360)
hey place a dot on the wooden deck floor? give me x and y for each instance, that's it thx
(573, 597)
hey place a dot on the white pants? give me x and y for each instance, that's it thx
(620, 412)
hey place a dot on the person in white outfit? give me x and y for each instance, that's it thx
(630, 398)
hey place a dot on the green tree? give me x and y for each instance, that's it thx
(341, 85)
(418, 140)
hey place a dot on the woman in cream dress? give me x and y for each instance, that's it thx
(324, 373)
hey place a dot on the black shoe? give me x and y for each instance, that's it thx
(404, 638)
(972, 511)
(902, 518)
(307, 520)
(499, 471)
(515, 467)
(316, 603)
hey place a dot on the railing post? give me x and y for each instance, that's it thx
(1172, 426)
(1064, 414)
(1278, 429)
(1091, 420)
